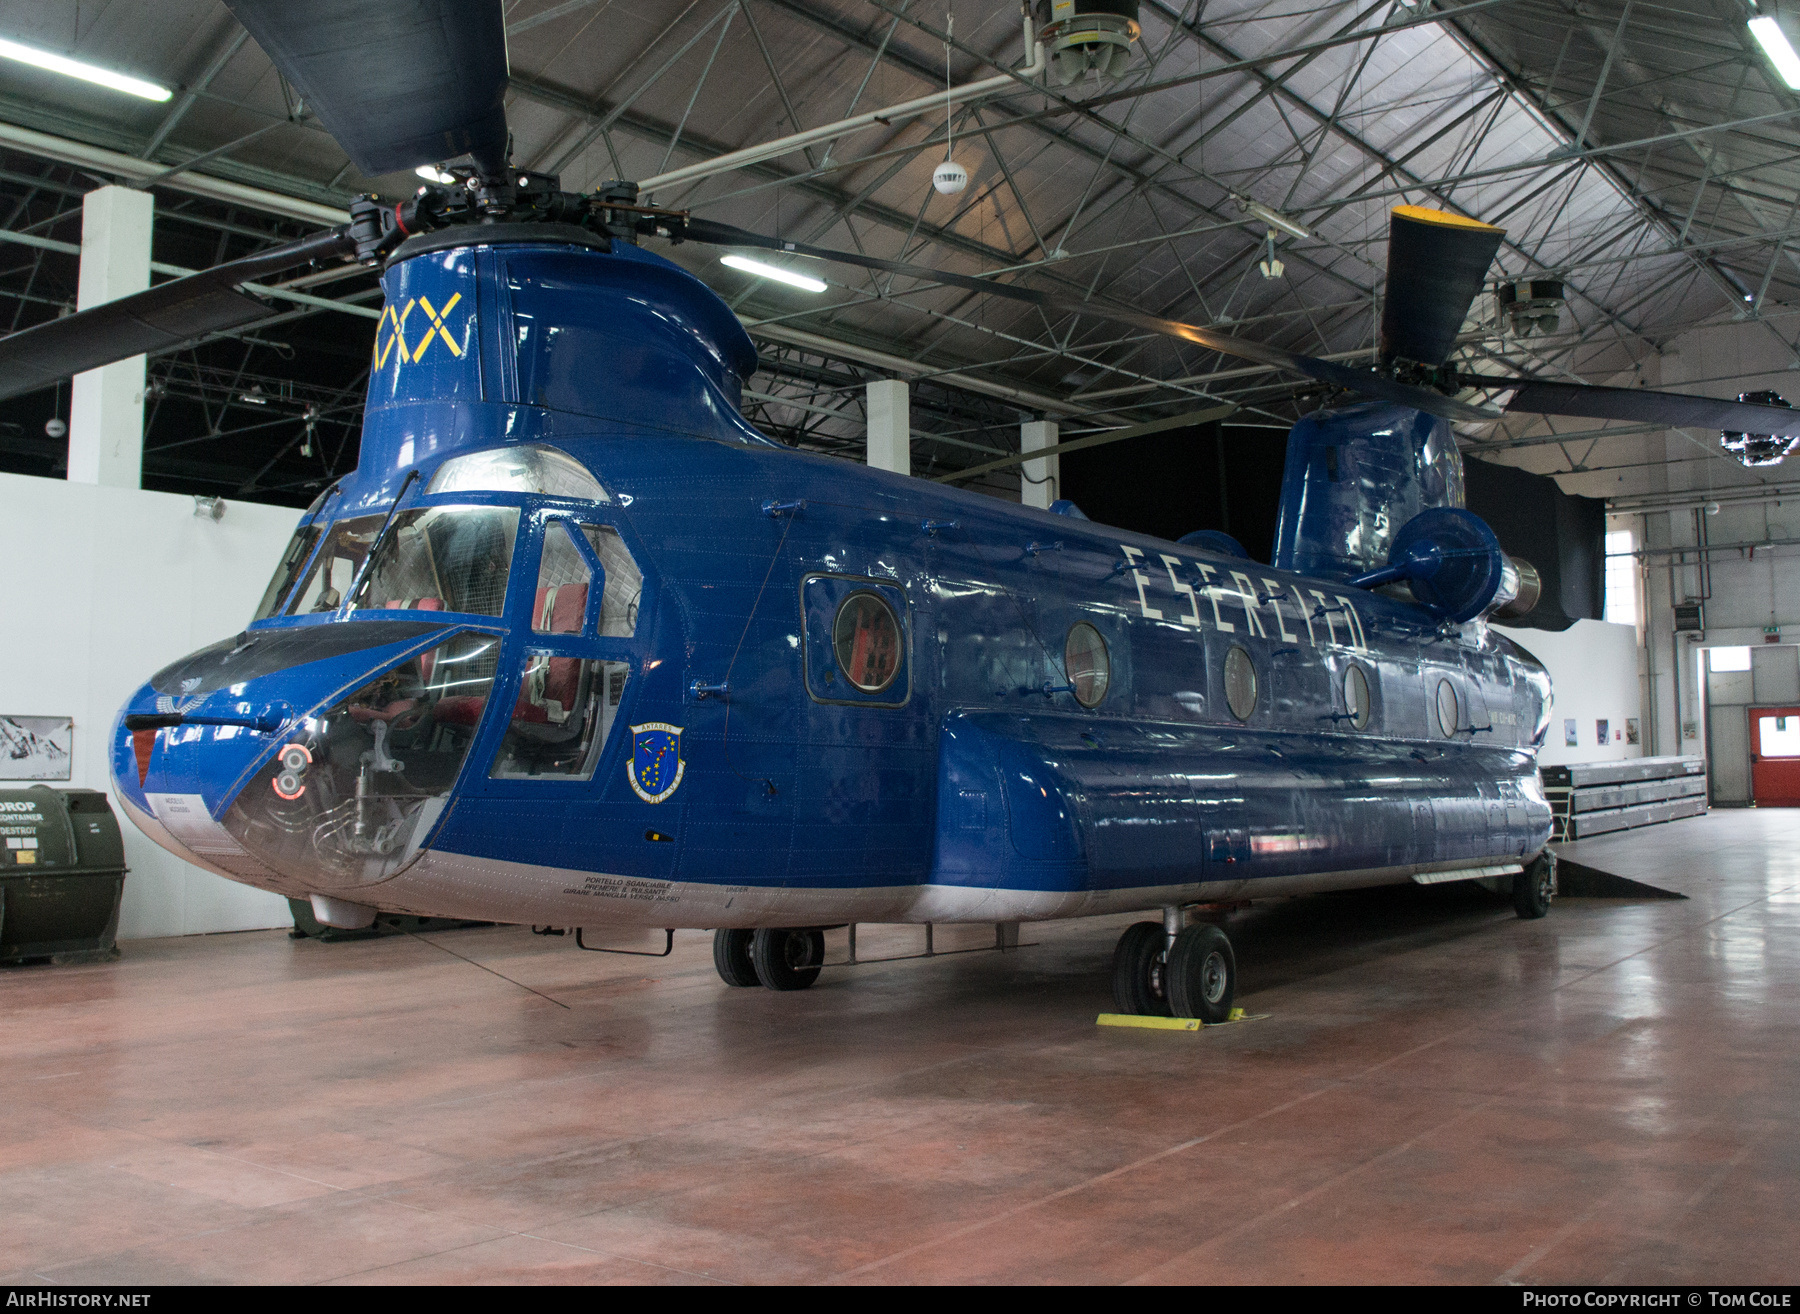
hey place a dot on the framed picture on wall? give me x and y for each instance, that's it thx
(1571, 736)
(1631, 730)
(36, 747)
(1600, 731)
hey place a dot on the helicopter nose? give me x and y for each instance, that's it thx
(329, 774)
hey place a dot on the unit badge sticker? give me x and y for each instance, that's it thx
(656, 768)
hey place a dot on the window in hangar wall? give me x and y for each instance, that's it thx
(1728, 659)
(1621, 577)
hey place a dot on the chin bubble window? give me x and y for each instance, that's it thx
(1086, 664)
(1240, 683)
(356, 786)
(561, 718)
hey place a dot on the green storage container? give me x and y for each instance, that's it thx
(62, 874)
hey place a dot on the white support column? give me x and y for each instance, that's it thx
(1043, 477)
(106, 412)
(890, 426)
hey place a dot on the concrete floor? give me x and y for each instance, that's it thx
(1439, 1093)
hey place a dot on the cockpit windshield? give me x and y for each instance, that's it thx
(299, 548)
(439, 558)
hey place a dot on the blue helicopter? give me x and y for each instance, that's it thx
(577, 645)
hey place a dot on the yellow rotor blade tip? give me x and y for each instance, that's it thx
(1443, 218)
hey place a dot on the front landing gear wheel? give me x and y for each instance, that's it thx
(1202, 974)
(787, 958)
(1534, 887)
(1138, 971)
(731, 955)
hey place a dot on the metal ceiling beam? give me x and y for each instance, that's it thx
(133, 169)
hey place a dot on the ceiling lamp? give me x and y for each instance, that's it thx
(75, 68)
(1270, 264)
(949, 177)
(774, 272)
(1776, 46)
(1088, 36)
(1532, 306)
(431, 173)
(1273, 218)
(1759, 449)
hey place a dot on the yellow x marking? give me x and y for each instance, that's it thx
(394, 323)
(437, 328)
(384, 345)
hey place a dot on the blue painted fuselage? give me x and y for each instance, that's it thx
(972, 786)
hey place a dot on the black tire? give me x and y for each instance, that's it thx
(1137, 979)
(1202, 974)
(1535, 887)
(787, 958)
(731, 955)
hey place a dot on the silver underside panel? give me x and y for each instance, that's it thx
(487, 889)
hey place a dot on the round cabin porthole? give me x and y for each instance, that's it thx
(866, 639)
(1447, 710)
(1356, 697)
(1240, 683)
(1086, 663)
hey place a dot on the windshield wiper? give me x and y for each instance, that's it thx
(375, 547)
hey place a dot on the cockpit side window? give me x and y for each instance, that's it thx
(299, 548)
(565, 580)
(561, 719)
(624, 582)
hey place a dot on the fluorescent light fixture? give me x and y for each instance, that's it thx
(431, 173)
(1775, 45)
(775, 272)
(74, 68)
(1273, 218)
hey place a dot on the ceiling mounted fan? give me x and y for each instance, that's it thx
(405, 85)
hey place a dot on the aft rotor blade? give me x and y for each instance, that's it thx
(399, 83)
(163, 316)
(1437, 264)
(1676, 410)
(1338, 376)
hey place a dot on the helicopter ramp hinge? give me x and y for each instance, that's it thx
(775, 510)
(932, 526)
(697, 691)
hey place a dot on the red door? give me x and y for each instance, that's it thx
(1775, 756)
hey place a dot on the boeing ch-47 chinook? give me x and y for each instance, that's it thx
(575, 644)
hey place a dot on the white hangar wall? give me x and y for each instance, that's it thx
(1594, 668)
(103, 587)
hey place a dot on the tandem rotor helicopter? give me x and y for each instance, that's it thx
(575, 644)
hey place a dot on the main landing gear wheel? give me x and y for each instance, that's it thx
(787, 958)
(1534, 887)
(1202, 974)
(1138, 971)
(731, 955)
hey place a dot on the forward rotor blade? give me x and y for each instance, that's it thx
(1437, 264)
(1338, 376)
(163, 316)
(399, 83)
(1673, 409)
